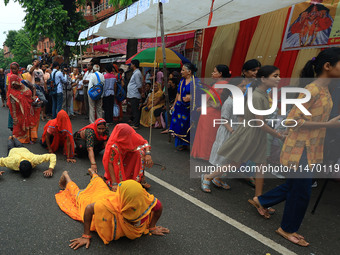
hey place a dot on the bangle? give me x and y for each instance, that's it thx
(94, 163)
(86, 236)
(154, 228)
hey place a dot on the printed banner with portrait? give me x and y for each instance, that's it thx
(313, 24)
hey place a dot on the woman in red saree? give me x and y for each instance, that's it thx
(14, 69)
(21, 109)
(126, 155)
(206, 132)
(58, 133)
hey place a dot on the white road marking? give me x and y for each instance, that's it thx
(248, 231)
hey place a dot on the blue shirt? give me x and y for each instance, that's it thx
(136, 82)
(60, 79)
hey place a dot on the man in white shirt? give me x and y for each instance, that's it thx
(95, 106)
(85, 88)
(134, 92)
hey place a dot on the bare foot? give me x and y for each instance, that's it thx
(10, 137)
(62, 180)
(91, 172)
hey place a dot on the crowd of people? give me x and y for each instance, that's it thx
(119, 197)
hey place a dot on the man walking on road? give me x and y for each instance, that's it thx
(60, 79)
(95, 106)
(86, 80)
(134, 92)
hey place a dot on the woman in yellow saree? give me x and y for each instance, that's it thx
(147, 110)
(130, 211)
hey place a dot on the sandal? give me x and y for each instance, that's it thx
(146, 185)
(251, 182)
(205, 185)
(220, 184)
(293, 237)
(271, 210)
(260, 209)
(165, 131)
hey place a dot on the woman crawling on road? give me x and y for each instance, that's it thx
(130, 211)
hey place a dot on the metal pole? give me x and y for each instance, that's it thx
(165, 71)
(81, 58)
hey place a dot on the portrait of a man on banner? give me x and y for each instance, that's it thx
(310, 24)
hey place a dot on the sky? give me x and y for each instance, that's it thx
(11, 18)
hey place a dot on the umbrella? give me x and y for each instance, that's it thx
(147, 58)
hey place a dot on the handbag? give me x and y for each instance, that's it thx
(116, 110)
(121, 94)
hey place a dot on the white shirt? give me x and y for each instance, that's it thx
(136, 82)
(87, 76)
(94, 81)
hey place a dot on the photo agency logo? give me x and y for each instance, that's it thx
(239, 105)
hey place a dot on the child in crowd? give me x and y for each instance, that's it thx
(40, 93)
(80, 93)
(225, 130)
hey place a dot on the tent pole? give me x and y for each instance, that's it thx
(81, 58)
(165, 71)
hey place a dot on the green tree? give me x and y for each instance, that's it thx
(10, 39)
(55, 19)
(22, 48)
(120, 4)
(4, 62)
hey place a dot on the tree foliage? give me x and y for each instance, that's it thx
(22, 49)
(55, 19)
(20, 46)
(4, 62)
(119, 4)
(10, 39)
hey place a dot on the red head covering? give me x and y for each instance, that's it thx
(13, 63)
(14, 78)
(63, 127)
(94, 127)
(24, 112)
(127, 140)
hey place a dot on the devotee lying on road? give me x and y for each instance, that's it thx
(130, 211)
(21, 159)
(90, 140)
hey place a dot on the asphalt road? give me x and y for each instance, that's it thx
(32, 223)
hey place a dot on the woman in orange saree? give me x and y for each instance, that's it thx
(58, 133)
(130, 211)
(126, 155)
(25, 117)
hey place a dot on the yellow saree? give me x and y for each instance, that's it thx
(116, 214)
(147, 118)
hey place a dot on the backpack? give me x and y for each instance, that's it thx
(96, 91)
(51, 86)
(121, 94)
(68, 85)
